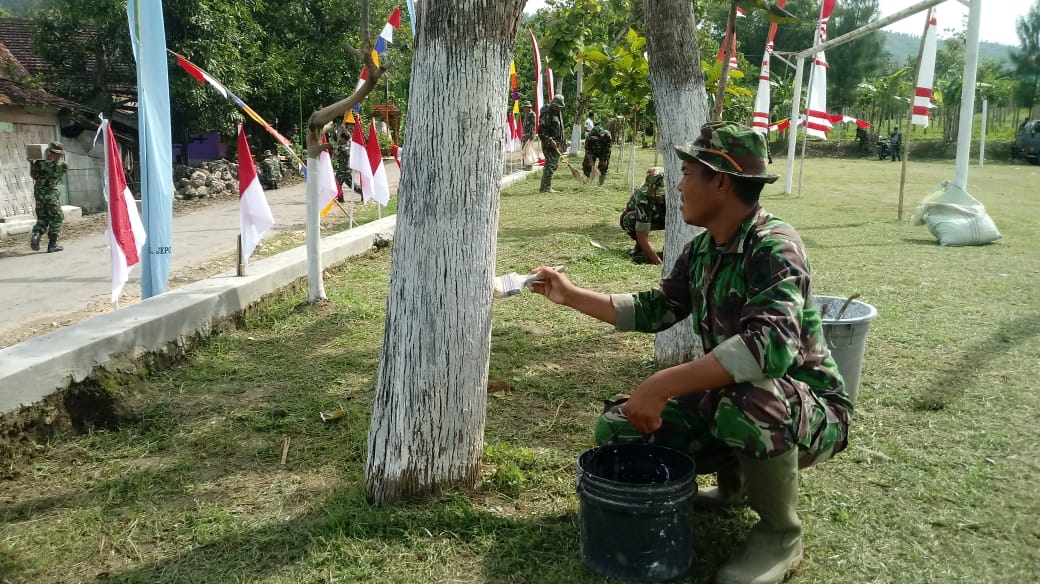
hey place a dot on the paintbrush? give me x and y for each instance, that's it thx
(513, 283)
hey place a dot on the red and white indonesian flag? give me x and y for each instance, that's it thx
(819, 122)
(538, 94)
(380, 184)
(125, 232)
(359, 161)
(925, 78)
(760, 120)
(254, 214)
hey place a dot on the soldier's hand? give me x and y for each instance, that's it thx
(554, 285)
(643, 409)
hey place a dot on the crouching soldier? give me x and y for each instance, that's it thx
(597, 147)
(645, 213)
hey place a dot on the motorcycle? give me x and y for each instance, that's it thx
(884, 150)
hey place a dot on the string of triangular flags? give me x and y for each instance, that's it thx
(203, 77)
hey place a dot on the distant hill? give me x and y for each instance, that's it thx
(20, 8)
(901, 45)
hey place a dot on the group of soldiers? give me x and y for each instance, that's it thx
(645, 210)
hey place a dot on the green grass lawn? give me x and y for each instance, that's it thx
(938, 485)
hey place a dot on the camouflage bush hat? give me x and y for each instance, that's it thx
(526, 104)
(557, 101)
(55, 148)
(731, 148)
(267, 152)
(655, 175)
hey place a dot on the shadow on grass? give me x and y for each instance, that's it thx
(955, 381)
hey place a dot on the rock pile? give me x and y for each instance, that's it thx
(213, 178)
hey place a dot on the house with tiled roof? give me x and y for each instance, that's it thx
(29, 114)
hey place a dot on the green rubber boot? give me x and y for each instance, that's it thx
(34, 241)
(729, 490)
(774, 546)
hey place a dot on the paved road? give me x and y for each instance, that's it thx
(41, 291)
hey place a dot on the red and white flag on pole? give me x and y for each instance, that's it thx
(925, 78)
(539, 98)
(254, 214)
(359, 161)
(760, 119)
(125, 232)
(380, 184)
(819, 123)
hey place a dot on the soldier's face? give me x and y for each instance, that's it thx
(700, 194)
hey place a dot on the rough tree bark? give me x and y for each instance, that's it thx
(681, 103)
(427, 426)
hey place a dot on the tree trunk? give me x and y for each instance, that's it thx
(427, 426)
(681, 103)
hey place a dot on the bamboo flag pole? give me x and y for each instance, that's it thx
(905, 146)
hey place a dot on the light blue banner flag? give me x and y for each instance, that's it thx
(148, 37)
(411, 16)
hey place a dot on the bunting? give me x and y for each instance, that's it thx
(386, 37)
(925, 78)
(254, 214)
(760, 119)
(205, 78)
(818, 120)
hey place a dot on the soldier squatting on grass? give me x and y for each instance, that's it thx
(766, 398)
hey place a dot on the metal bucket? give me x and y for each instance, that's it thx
(847, 338)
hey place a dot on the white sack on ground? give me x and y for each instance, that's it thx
(955, 218)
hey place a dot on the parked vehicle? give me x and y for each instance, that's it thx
(884, 150)
(1027, 142)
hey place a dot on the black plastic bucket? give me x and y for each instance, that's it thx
(636, 511)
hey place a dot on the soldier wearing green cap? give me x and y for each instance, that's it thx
(47, 175)
(550, 130)
(644, 212)
(766, 397)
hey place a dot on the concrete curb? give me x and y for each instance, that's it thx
(167, 324)
(33, 370)
(20, 224)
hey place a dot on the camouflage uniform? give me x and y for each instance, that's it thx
(751, 302)
(47, 175)
(616, 127)
(550, 130)
(527, 123)
(343, 174)
(645, 211)
(597, 146)
(270, 171)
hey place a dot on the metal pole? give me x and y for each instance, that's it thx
(971, 65)
(982, 137)
(241, 261)
(792, 135)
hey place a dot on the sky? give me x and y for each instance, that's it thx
(998, 17)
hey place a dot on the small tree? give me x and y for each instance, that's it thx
(1027, 57)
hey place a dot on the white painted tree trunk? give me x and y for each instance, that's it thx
(427, 426)
(681, 104)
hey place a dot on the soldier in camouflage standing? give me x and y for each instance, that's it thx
(270, 171)
(47, 175)
(527, 124)
(645, 212)
(343, 174)
(597, 147)
(766, 397)
(550, 130)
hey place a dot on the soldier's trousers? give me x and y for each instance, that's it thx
(48, 214)
(552, 162)
(629, 219)
(759, 420)
(590, 160)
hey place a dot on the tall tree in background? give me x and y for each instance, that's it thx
(682, 107)
(427, 426)
(88, 42)
(1027, 57)
(855, 61)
